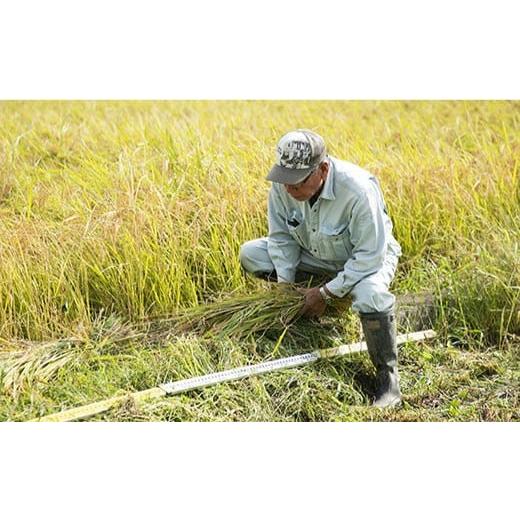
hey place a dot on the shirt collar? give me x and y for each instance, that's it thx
(328, 189)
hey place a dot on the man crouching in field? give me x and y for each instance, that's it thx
(328, 217)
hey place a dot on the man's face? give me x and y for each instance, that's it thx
(309, 186)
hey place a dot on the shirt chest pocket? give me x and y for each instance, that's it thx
(297, 230)
(334, 243)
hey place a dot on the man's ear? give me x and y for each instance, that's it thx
(324, 169)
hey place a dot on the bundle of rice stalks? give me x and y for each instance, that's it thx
(263, 312)
(40, 361)
(37, 362)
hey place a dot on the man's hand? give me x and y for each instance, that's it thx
(314, 305)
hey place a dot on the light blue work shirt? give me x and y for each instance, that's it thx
(347, 226)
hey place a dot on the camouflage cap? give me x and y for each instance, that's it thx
(298, 153)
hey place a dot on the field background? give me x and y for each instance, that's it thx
(115, 212)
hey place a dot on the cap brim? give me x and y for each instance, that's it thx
(288, 175)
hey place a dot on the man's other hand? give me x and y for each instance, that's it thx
(314, 305)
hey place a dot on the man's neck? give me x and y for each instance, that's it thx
(314, 198)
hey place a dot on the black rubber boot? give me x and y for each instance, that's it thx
(380, 334)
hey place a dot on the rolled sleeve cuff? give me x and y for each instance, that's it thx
(336, 287)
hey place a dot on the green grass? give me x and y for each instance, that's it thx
(138, 209)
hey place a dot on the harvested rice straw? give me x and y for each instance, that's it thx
(40, 361)
(241, 317)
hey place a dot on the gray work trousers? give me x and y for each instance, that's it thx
(370, 295)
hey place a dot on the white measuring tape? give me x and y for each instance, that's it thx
(177, 387)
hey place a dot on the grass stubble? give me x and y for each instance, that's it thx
(118, 216)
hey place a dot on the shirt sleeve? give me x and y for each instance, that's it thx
(283, 249)
(369, 244)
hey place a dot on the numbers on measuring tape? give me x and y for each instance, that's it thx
(238, 373)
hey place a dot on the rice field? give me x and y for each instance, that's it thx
(119, 214)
